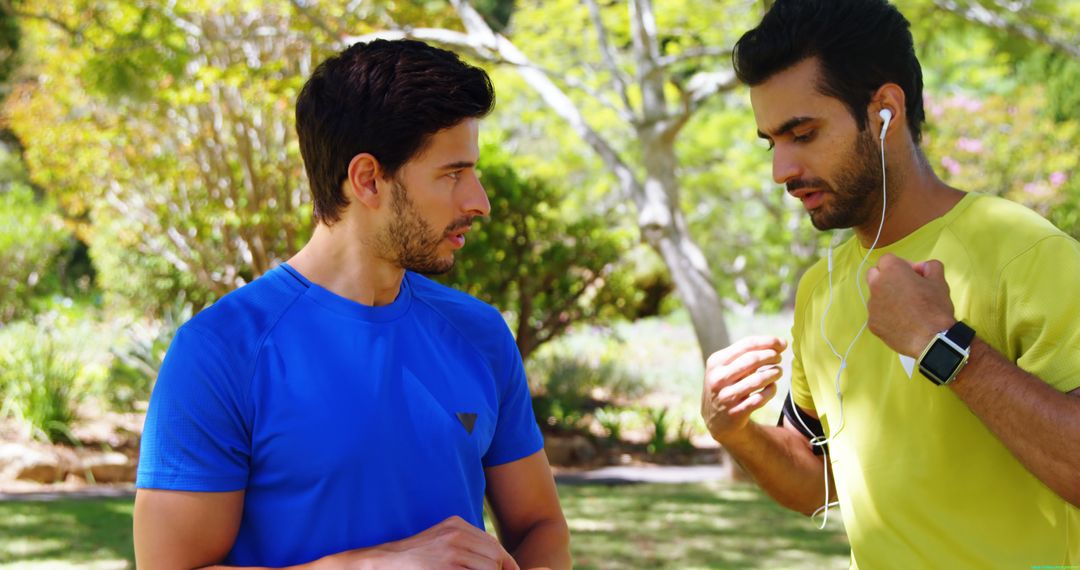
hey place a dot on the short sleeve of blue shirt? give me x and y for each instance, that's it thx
(516, 432)
(195, 436)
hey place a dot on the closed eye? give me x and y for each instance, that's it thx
(809, 136)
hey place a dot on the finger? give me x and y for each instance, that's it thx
(754, 382)
(730, 353)
(755, 401)
(892, 261)
(454, 522)
(748, 362)
(720, 377)
(485, 545)
(474, 561)
(934, 270)
(884, 262)
(872, 275)
(509, 563)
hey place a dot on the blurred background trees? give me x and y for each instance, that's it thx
(148, 165)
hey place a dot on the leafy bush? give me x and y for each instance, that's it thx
(40, 373)
(569, 387)
(136, 364)
(31, 235)
(546, 267)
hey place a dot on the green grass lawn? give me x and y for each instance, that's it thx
(715, 525)
(91, 533)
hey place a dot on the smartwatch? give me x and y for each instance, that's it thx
(946, 354)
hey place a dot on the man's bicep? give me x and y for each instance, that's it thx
(522, 494)
(181, 529)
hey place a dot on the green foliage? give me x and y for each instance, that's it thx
(1062, 76)
(10, 38)
(136, 364)
(168, 131)
(546, 266)
(145, 48)
(670, 432)
(39, 374)
(611, 420)
(1006, 145)
(660, 427)
(31, 237)
(496, 12)
(568, 387)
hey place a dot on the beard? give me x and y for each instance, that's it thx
(410, 241)
(854, 196)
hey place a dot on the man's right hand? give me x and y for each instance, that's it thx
(738, 380)
(453, 543)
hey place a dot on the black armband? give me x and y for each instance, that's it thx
(809, 426)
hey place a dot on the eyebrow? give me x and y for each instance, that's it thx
(786, 127)
(457, 165)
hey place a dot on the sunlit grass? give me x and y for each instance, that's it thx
(715, 525)
(66, 534)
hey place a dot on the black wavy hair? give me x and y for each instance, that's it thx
(860, 44)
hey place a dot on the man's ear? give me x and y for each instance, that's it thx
(889, 96)
(364, 172)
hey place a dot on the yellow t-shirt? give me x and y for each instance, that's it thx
(922, 483)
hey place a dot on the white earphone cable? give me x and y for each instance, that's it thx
(819, 441)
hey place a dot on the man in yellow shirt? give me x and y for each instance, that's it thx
(936, 370)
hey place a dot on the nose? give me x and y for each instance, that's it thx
(785, 166)
(475, 199)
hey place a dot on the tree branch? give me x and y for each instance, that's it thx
(694, 53)
(705, 84)
(482, 42)
(618, 78)
(315, 19)
(975, 12)
(76, 33)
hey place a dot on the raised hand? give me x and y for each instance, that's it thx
(738, 380)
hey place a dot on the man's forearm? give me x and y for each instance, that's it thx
(781, 462)
(360, 559)
(1038, 424)
(545, 545)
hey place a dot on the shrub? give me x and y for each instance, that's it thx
(136, 364)
(40, 376)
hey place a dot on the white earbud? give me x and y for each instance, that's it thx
(886, 115)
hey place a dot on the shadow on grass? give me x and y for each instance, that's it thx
(717, 525)
(69, 531)
(710, 525)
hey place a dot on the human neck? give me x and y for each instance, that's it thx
(341, 259)
(915, 197)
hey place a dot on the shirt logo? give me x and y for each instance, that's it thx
(468, 420)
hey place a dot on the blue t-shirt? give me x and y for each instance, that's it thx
(346, 425)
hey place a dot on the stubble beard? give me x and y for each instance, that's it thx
(854, 198)
(410, 241)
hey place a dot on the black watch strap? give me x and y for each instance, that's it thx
(960, 334)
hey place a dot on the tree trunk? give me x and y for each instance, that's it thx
(663, 226)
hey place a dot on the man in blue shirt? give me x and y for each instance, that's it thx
(342, 410)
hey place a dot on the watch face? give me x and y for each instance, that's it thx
(941, 360)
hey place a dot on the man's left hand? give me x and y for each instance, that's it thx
(909, 303)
